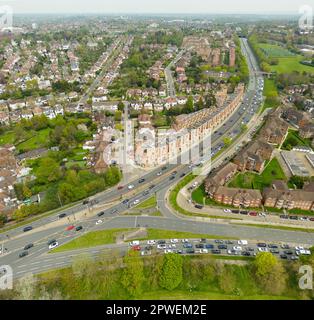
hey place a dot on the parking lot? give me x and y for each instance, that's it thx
(236, 248)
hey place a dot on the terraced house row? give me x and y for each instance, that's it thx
(153, 147)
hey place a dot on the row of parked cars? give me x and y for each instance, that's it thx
(218, 247)
(263, 214)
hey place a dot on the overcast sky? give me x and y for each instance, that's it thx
(157, 6)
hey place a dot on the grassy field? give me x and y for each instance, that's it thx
(293, 140)
(288, 65)
(248, 180)
(7, 138)
(270, 89)
(37, 141)
(274, 51)
(149, 203)
(99, 238)
(287, 61)
(92, 239)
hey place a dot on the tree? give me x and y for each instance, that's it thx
(189, 106)
(48, 171)
(227, 141)
(3, 220)
(133, 274)
(121, 106)
(27, 193)
(270, 273)
(171, 273)
(26, 288)
(118, 116)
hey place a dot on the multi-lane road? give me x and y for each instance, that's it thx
(152, 183)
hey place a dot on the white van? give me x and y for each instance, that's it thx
(134, 243)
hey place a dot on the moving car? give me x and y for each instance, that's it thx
(131, 186)
(26, 229)
(99, 222)
(100, 214)
(29, 246)
(51, 242)
(23, 254)
(53, 245)
(62, 215)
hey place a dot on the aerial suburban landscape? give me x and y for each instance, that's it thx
(150, 156)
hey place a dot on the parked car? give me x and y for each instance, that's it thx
(100, 214)
(70, 228)
(79, 228)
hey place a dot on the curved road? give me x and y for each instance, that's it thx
(52, 227)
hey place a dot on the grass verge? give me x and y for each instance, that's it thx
(98, 238)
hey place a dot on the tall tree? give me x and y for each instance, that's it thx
(171, 274)
(133, 274)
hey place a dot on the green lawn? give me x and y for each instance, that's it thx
(99, 238)
(92, 239)
(288, 65)
(249, 180)
(39, 140)
(293, 140)
(287, 61)
(149, 203)
(7, 138)
(275, 51)
(270, 89)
